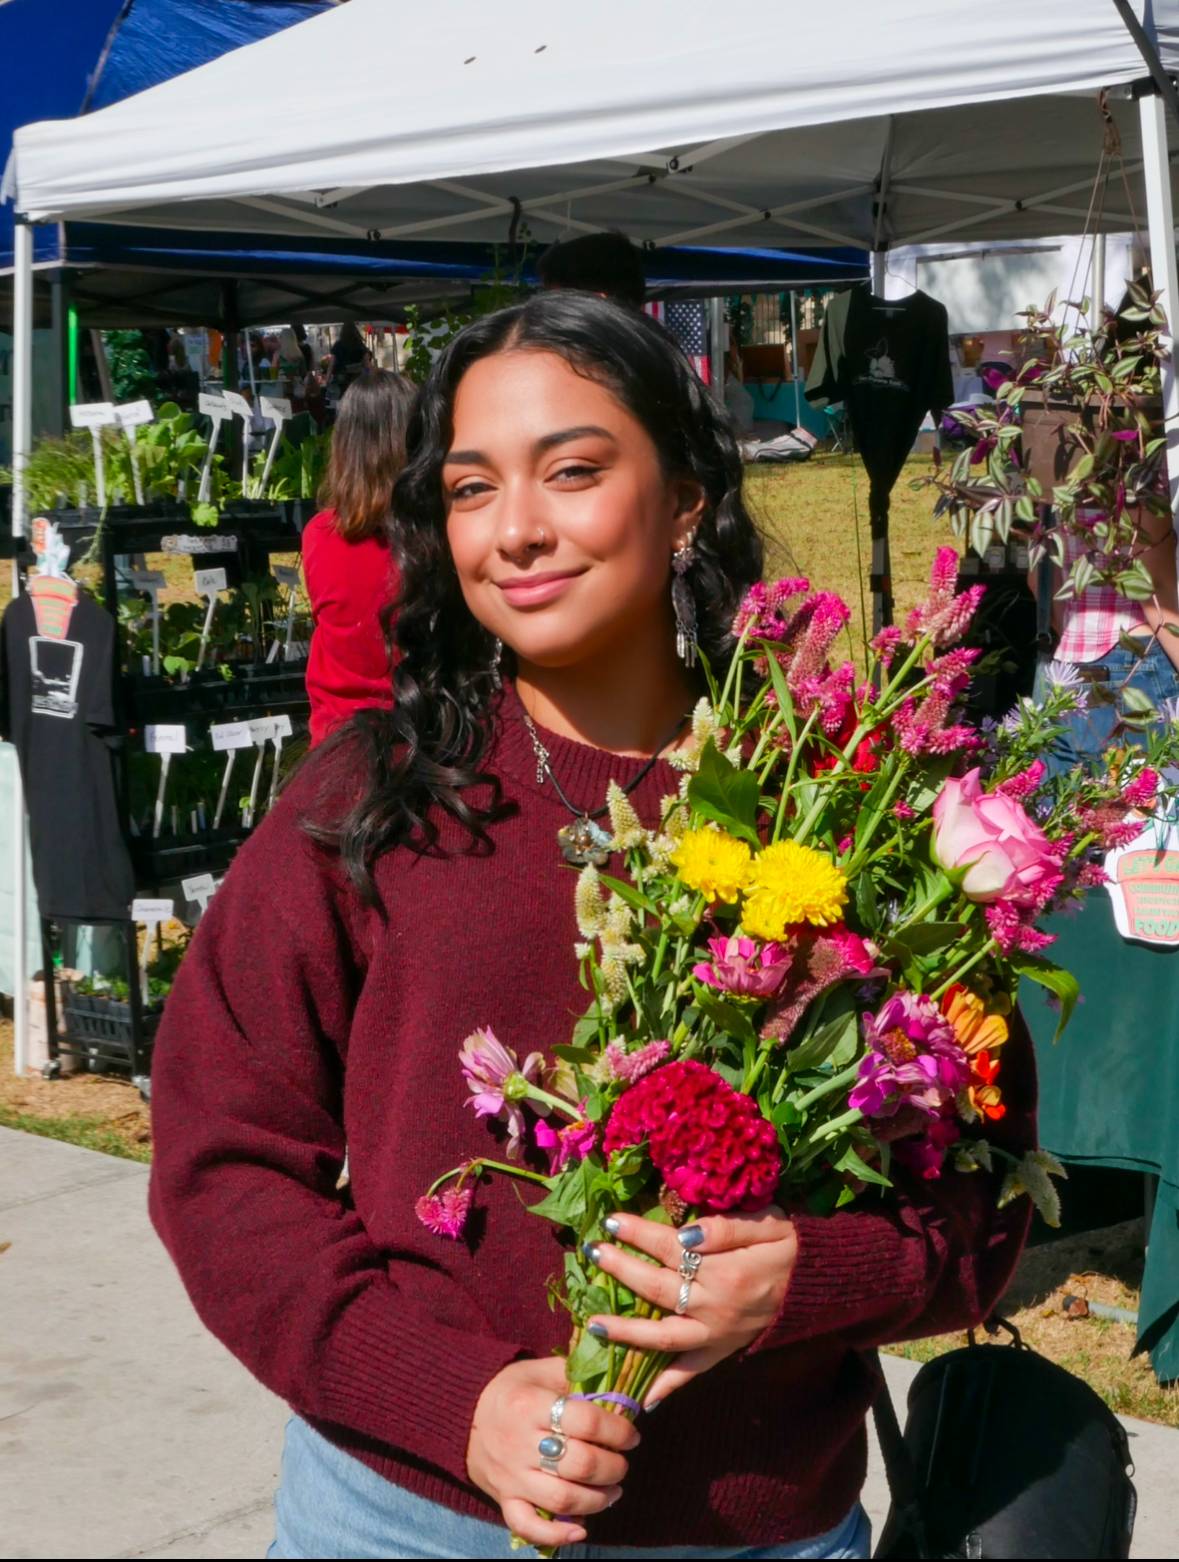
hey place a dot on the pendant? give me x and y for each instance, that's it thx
(583, 842)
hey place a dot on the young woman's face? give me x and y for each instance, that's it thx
(560, 519)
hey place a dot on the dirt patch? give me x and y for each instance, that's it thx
(94, 1098)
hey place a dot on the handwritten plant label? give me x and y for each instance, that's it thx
(93, 414)
(238, 405)
(152, 912)
(1144, 887)
(134, 413)
(221, 543)
(152, 580)
(170, 739)
(230, 734)
(213, 406)
(261, 730)
(280, 727)
(287, 575)
(209, 581)
(275, 408)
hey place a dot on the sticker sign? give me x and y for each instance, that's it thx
(226, 543)
(209, 581)
(230, 735)
(1144, 887)
(171, 739)
(152, 912)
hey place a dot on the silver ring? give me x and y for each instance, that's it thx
(689, 1264)
(557, 1412)
(681, 1305)
(551, 1449)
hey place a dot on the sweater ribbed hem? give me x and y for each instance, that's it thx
(367, 1381)
(848, 1266)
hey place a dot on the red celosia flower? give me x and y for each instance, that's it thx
(445, 1213)
(710, 1142)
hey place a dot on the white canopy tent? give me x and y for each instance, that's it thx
(857, 124)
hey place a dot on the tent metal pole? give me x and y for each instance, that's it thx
(876, 271)
(1161, 222)
(795, 358)
(1097, 284)
(716, 345)
(22, 440)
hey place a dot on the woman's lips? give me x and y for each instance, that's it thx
(537, 590)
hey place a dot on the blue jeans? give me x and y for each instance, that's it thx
(330, 1505)
(1087, 733)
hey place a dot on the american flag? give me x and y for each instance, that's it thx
(687, 321)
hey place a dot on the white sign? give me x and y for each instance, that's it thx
(275, 408)
(199, 884)
(148, 579)
(171, 739)
(93, 414)
(281, 727)
(213, 406)
(287, 575)
(262, 730)
(209, 581)
(238, 405)
(1143, 886)
(134, 413)
(152, 911)
(221, 543)
(230, 734)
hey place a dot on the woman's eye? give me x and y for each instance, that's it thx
(470, 490)
(578, 473)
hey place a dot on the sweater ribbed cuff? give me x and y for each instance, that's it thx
(407, 1380)
(850, 1269)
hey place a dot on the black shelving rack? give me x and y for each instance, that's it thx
(106, 1034)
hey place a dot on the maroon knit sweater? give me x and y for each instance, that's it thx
(302, 1023)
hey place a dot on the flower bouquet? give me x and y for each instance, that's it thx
(801, 980)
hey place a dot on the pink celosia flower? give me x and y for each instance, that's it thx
(845, 845)
(1014, 932)
(1025, 783)
(822, 958)
(887, 643)
(903, 812)
(498, 1081)
(743, 967)
(760, 610)
(914, 1060)
(710, 1143)
(572, 1142)
(926, 1153)
(445, 1213)
(631, 1066)
(944, 616)
(1142, 790)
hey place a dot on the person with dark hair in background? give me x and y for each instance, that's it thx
(349, 355)
(607, 264)
(347, 565)
(410, 886)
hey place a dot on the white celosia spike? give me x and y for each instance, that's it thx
(588, 905)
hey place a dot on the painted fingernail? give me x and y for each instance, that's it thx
(591, 1251)
(598, 1330)
(612, 1224)
(690, 1236)
(653, 1404)
(614, 1498)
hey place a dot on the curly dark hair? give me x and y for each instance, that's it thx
(428, 753)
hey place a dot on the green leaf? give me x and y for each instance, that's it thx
(851, 1162)
(1057, 980)
(832, 1041)
(726, 1016)
(1138, 703)
(924, 938)
(588, 1360)
(629, 894)
(569, 1198)
(725, 794)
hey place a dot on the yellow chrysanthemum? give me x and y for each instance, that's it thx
(712, 862)
(789, 883)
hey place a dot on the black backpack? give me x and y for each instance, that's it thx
(1004, 1454)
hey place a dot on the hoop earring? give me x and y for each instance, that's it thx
(684, 603)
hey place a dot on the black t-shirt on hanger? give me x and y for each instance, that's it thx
(57, 708)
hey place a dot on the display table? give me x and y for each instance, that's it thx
(1109, 1089)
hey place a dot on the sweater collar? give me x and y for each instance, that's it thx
(584, 771)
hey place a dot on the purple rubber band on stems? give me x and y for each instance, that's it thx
(610, 1396)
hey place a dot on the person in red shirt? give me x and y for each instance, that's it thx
(409, 887)
(347, 563)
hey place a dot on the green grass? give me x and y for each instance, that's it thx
(89, 1133)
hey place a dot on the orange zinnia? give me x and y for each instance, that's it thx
(977, 1028)
(984, 1094)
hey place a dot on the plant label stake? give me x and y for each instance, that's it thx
(277, 409)
(217, 408)
(287, 575)
(164, 741)
(208, 583)
(199, 890)
(261, 732)
(282, 729)
(129, 418)
(240, 408)
(152, 913)
(227, 737)
(95, 415)
(151, 581)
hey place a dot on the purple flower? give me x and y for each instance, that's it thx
(915, 1060)
(497, 1081)
(1127, 436)
(743, 967)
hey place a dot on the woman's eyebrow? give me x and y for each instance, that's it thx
(546, 442)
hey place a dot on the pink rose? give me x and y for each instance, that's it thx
(1005, 855)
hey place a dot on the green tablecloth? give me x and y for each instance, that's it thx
(1109, 1089)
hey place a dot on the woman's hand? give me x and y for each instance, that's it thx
(746, 1262)
(503, 1460)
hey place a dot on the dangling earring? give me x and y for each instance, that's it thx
(684, 603)
(497, 656)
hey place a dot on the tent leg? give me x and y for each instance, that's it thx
(22, 439)
(716, 345)
(795, 358)
(876, 271)
(1161, 220)
(1097, 284)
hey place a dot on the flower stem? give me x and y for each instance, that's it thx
(566, 1108)
(836, 1082)
(987, 949)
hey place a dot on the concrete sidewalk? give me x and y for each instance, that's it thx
(126, 1431)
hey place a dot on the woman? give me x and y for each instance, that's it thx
(346, 562)
(561, 453)
(348, 356)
